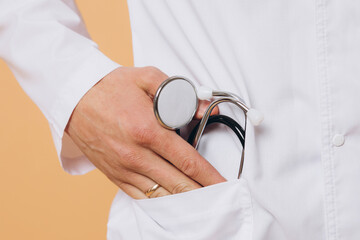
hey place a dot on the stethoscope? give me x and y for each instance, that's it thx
(176, 102)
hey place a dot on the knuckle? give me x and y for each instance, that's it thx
(150, 73)
(143, 135)
(152, 70)
(190, 168)
(181, 187)
(153, 74)
(132, 160)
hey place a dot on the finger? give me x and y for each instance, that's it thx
(144, 184)
(203, 105)
(182, 155)
(150, 80)
(132, 191)
(162, 172)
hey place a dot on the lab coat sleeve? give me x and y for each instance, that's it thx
(47, 47)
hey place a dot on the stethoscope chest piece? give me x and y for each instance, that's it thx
(175, 102)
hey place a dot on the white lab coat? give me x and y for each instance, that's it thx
(296, 61)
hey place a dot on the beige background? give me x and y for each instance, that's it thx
(38, 200)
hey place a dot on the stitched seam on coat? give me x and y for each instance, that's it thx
(325, 116)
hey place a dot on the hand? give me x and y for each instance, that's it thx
(115, 127)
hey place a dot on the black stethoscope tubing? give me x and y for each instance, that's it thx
(222, 119)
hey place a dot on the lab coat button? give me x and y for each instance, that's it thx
(338, 140)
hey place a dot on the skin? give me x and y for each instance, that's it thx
(115, 127)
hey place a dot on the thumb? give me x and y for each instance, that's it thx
(203, 105)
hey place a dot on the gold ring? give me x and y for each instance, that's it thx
(151, 190)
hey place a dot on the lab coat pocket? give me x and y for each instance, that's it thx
(220, 211)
